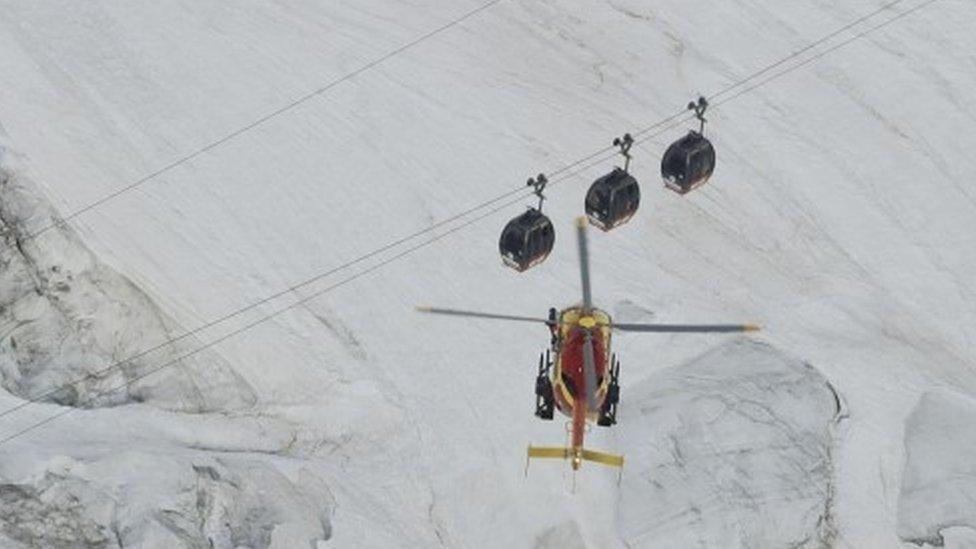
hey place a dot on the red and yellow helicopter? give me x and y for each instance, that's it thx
(583, 380)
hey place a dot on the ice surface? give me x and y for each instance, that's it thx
(181, 500)
(839, 217)
(66, 317)
(938, 490)
(730, 450)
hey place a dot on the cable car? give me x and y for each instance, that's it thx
(614, 198)
(528, 238)
(689, 161)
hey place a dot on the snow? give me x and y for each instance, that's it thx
(79, 334)
(839, 217)
(184, 501)
(938, 491)
(734, 448)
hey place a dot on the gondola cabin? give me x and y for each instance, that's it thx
(688, 163)
(526, 240)
(612, 199)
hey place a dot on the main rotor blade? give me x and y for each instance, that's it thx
(589, 371)
(584, 259)
(477, 314)
(686, 328)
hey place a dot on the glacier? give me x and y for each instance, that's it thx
(840, 217)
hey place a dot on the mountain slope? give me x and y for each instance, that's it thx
(838, 217)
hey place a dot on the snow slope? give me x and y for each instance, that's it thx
(839, 217)
(77, 333)
(733, 448)
(936, 500)
(187, 501)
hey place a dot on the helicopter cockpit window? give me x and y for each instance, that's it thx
(568, 382)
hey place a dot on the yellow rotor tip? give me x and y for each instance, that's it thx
(581, 221)
(751, 328)
(423, 308)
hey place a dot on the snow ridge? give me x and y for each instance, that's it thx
(746, 432)
(66, 316)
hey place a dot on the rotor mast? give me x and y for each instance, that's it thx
(584, 259)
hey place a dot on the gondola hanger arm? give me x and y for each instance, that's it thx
(624, 143)
(538, 184)
(699, 109)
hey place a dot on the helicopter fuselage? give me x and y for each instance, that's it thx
(568, 377)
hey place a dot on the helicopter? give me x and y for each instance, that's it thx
(578, 375)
